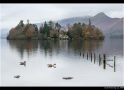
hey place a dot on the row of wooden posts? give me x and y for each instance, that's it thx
(104, 60)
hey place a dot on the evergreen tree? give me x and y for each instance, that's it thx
(58, 26)
(51, 25)
(21, 23)
(46, 29)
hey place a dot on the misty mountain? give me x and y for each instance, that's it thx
(73, 20)
(109, 26)
(117, 29)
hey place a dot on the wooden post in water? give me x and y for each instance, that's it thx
(91, 56)
(104, 61)
(80, 53)
(114, 64)
(87, 55)
(99, 60)
(94, 58)
(83, 55)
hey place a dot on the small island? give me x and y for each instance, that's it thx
(52, 31)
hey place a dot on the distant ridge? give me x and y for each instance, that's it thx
(107, 24)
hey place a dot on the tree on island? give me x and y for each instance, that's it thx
(21, 23)
(84, 31)
(50, 29)
(53, 30)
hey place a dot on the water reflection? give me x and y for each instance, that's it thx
(24, 46)
(49, 46)
(54, 46)
(85, 46)
(69, 62)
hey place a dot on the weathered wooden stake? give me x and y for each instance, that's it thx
(99, 60)
(104, 61)
(91, 56)
(80, 53)
(87, 56)
(114, 64)
(83, 55)
(94, 58)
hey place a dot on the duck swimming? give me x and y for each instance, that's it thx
(23, 63)
(51, 65)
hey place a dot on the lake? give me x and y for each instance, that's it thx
(70, 58)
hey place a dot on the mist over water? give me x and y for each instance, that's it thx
(69, 60)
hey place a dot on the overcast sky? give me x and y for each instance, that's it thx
(11, 14)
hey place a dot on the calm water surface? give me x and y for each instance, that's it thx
(69, 60)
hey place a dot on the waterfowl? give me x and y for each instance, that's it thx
(51, 65)
(23, 63)
(17, 76)
(54, 64)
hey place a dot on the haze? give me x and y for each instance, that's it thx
(11, 14)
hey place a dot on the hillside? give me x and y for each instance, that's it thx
(111, 27)
(101, 20)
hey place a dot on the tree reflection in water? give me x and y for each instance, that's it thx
(29, 46)
(54, 46)
(85, 46)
